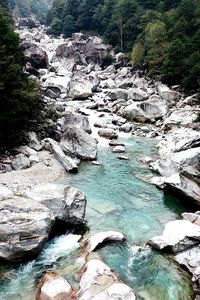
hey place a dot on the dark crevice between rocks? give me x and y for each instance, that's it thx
(61, 227)
(180, 196)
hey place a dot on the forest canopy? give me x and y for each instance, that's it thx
(163, 34)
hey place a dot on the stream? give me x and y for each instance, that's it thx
(119, 198)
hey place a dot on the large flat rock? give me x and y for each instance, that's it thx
(24, 227)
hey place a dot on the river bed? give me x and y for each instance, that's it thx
(119, 198)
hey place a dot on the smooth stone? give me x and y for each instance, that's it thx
(108, 133)
(80, 90)
(167, 94)
(116, 94)
(137, 94)
(177, 236)
(99, 282)
(114, 143)
(53, 287)
(123, 157)
(73, 119)
(96, 163)
(36, 56)
(150, 110)
(26, 150)
(101, 237)
(119, 149)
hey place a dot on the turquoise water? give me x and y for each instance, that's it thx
(120, 198)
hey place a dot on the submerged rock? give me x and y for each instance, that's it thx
(25, 226)
(123, 157)
(78, 143)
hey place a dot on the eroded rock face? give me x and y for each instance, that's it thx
(36, 56)
(93, 49)
(150, 110)
(67, 204)
(72, 119)
(174, 162)
(179, 139)
(25, 226)
(78, 143)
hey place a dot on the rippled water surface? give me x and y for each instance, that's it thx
(120, 198)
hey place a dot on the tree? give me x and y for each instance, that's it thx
(137, 53)
(156, 45)
(19, 98)
(68, 26)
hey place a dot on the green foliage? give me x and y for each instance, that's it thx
(137, 54)
(18, 94)
(165, 33)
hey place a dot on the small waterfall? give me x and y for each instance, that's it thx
(23, 278)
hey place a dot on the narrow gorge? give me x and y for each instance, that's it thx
(101, 202)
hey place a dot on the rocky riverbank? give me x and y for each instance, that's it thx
(116, 100)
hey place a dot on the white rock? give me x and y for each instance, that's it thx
(20, 162)
(5, 192)
(98, 238)
(174, 235)
(99, 282)
(53, 287)
(137, 94)
(34, 142)
(34, 159)
(119, 149)
(167, 94)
